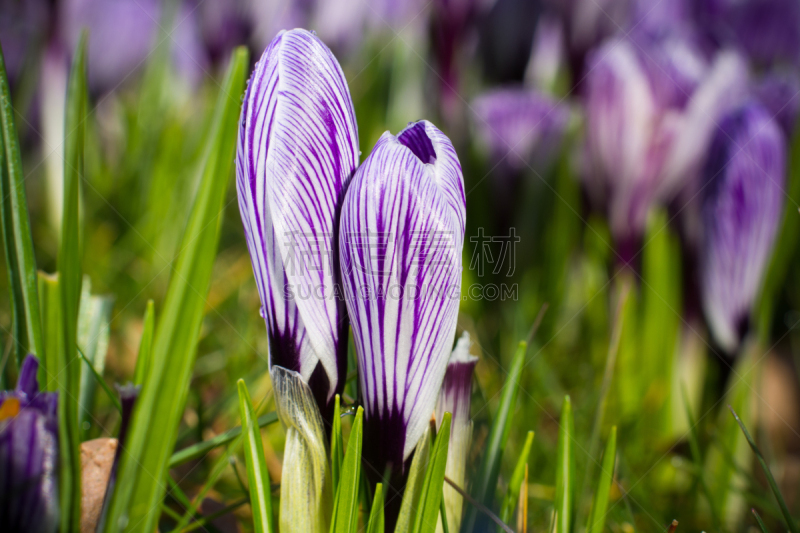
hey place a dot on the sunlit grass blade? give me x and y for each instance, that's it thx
(485, 482)
(345, 509)
(52, 324)
(414, 483)
(787, 515)
(70, 278)
(26, 325)
(336, 443)
(430, 500)
(376, 523)
(760, 522)
(514, 484)
(257, 474)
(522, 504)
(145, 344)
(564, 470)
(94, 329)
(597, 517)
(140, 488)
(195, 451)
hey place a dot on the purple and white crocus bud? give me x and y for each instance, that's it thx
(454, 398)
(742, 208)
(401, 238)
(298, 148)
(650, 116)
(29, 455)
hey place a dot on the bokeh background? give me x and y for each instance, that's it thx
(632, 163)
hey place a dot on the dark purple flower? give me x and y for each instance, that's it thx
(779, 93)
(766, 30)
(298, 148)
(520, 127)
(454, 398)
(28, 455)
(742, 207)
(650, 115)
(401, 239)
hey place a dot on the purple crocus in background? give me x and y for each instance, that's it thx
(298, 148)
(651, 110)
(521, 128)
(779, 93)
(455, 398)
(742, 207)
(401, 239)
(28, 455)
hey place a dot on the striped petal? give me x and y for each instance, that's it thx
(745, 175)
(298, 148)
(401, 240)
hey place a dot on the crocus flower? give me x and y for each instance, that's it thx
(743, 196)
(401, 240)
(454, 398)
(521, 128)
(779, 93)
(28, 455)
(650, 115)
(298, 148)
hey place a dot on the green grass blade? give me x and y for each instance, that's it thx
(145, 344)
(52, 324)
(597, 518)
(198, 450)
(26, 325)
(376, 520)
(94, 329)
(787, 515)
(141, 478)
(97, 377)
(697, 458)
(414, 483)
(512, 495)
(443, 515)
(257, 474)
(485, 483)
(760, 522)
(345, 509)
(564, 470)
(70, 278)
(337, 446)
(430, 500)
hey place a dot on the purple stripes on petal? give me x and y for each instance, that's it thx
(298, 149)
(454, 398)
(401, 240)
(742, 207)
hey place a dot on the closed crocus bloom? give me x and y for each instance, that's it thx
(520, 127)
(298, 148)
(454, 398)
(743, 197)
(28, 455)
(649, 121)
(401, 240)
(778, 92)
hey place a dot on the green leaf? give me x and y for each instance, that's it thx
(376, 524)
(430, 499)
(564, 470)
(52, 324)
(512, 495)
(26, 325)
(760, 522)
(414, 484)
(787, 515)
(94, 328)
(345, 508)
(485, 483)
(257, 474)
(597, 518)
(99, 380)
(697, 458)
(70, 279)
(202, 448)
(141, 477)
(145, 344)
(337, 446)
